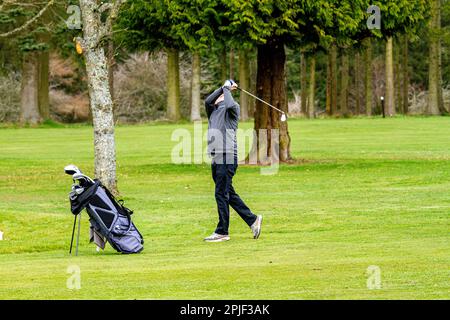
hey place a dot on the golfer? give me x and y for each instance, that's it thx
(223, 117)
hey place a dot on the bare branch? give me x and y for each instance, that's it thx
(114, 8)
(113, 13)
(29, 22)
(105, 6)
(21, 4)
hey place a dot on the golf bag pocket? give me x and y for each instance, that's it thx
(124, 236)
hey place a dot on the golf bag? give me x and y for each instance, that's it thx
(109, 218)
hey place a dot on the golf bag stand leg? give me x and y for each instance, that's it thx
(73, 233)
(78, 235)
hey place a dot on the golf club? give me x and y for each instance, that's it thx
(78, 236)
(283, 114)
(73, 233)
(71, 169)
(78, 175)
(83, 180)
(76, 191)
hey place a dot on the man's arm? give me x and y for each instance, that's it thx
(230, 104)
(209, 102)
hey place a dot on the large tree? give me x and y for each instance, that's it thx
(244, 81)
(312, 87)
(397, 18)
(345, 31)
(96, 31)
(435, 100)
(344, 87)
(26, 26)
(148, 25)
(172, 25)
(303, 83)
(192, 23)
(332, 80)
(368, 92)
(270, 26)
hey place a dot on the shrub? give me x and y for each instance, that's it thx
(10, 98)
(140, 88)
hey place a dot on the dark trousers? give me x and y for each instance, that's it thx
(226, 196)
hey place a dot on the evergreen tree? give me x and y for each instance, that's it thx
(397, 18)
(25, 31)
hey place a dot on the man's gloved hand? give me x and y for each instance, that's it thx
(230, 85)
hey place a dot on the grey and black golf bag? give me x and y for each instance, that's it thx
(109, 218)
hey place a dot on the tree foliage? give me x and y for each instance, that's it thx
(402, 16)
(194, 22)
(180, 24)
(22, 24)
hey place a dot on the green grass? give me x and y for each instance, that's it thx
(365, 192)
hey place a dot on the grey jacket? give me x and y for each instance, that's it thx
(223, 121)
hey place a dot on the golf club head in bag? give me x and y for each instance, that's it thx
(110, 220)
(71, 169)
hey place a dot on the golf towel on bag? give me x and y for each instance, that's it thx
(109, 218)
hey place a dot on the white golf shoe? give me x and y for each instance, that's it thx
(215, 237)
(256, 227)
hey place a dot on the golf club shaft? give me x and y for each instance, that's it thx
(73, 233)
(259, 99)
(78, 235)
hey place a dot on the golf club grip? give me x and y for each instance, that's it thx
(252, 95)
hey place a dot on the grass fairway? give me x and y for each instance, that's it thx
(367, 192)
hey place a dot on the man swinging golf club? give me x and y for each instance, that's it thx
(223, 117)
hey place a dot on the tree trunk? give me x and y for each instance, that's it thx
(303, 84)
(223, 64)
(100, 96)
(231, 73)
(357, 70)
(389, 98)
(244, 82)
(43, 65)
(398, 78)
(252, 84)
(368, 76)
(195, 87)
(111, 64)
(328, 86)
(435, 105)
(334, 79)
(29, 90)
(43, 92)
(439, 72)
(173, 85)
(312, 87)
(440, 91)
(271, 87)
(343, 97)
(405, 76)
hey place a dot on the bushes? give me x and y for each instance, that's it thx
(69, 108)
(140, 88)
(69, 100)
(10, 98)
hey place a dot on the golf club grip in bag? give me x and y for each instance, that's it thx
(109, 218)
